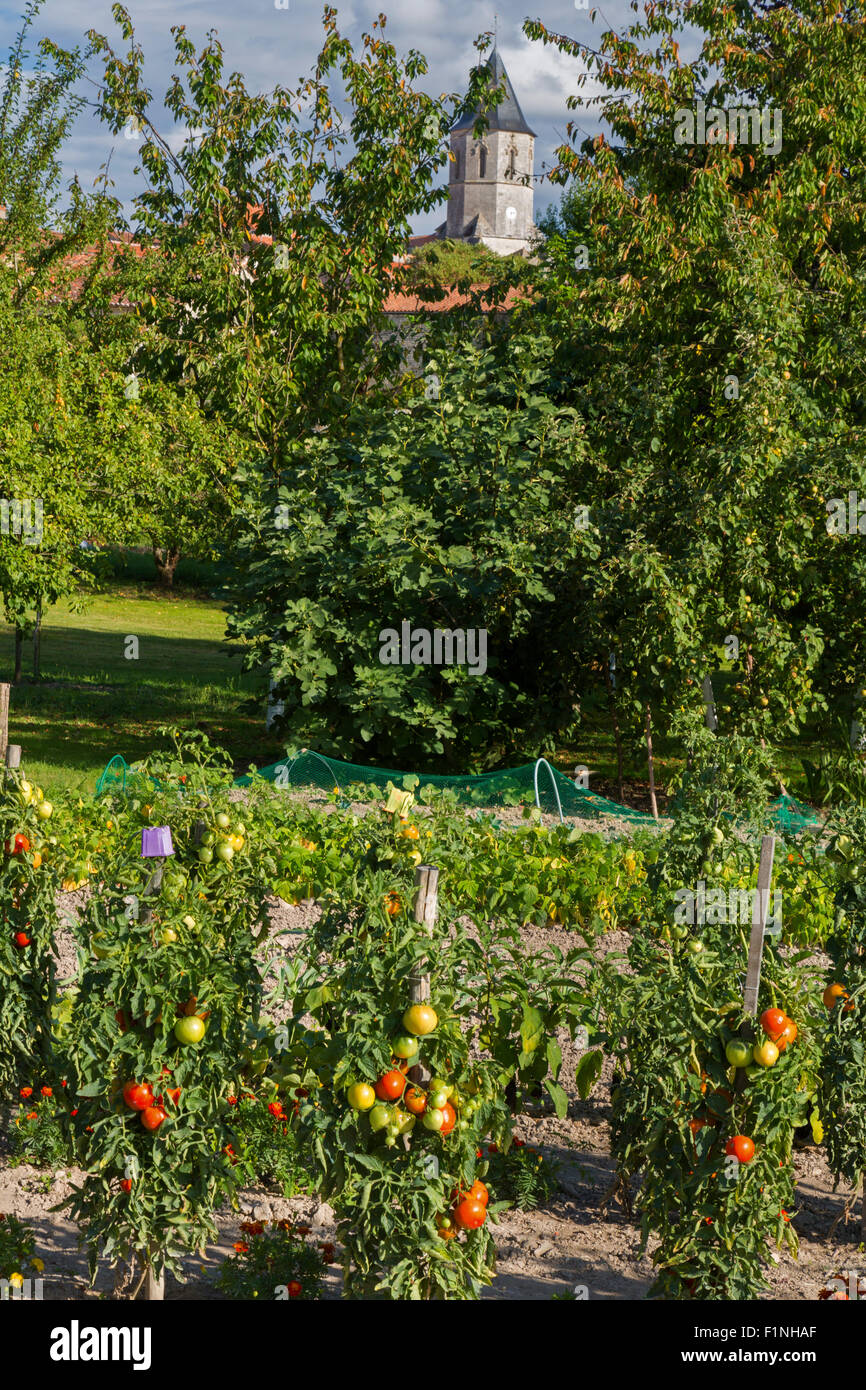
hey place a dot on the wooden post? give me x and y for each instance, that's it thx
(759, 921)
(426, 909)
(13, 755)
(4, 718)
(756, 949)
(650, 764)
(37, 643)
(154, 1286)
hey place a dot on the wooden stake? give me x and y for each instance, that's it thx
(426, 910)
(759, 921)
(13, 755)
(154, 1287)
(4, 718)
(651, 765)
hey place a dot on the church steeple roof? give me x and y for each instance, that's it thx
(507, 115)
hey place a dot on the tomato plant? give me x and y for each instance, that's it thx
(158, 1032)
(28, 920)
(843, 1077)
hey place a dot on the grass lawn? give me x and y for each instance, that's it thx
(93, 702)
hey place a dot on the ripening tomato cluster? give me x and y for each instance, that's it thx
(779, 1032)
(381, 1100)
(139, 1096)
(468, 1211)
(222, 842)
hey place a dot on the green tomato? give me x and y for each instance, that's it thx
(224, 851)
(405, 1046)
(168, 936)
(205, 856)
(437, 1084)
(380, 1116)
(437, 1099)
(44, 810)
(190, 1029)
(695, 947)
(738, 1053)
(208, 838)
(433, 1119)
(718, 835)
(222, 820)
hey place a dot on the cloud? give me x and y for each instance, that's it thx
(271, 46)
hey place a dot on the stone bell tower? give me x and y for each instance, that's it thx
(490, 198)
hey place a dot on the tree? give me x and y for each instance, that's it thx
(713, 343)
(450, 512)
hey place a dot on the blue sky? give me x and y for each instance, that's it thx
(269, 45)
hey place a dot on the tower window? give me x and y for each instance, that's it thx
(512, 162)
(482, 162)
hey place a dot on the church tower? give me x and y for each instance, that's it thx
(490, 197)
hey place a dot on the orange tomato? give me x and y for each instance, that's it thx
(787, 1035)
(415, 1101)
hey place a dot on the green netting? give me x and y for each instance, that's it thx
(530, 784)
(119, 777)
(791, 816)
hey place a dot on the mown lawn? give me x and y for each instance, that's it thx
(93, 701)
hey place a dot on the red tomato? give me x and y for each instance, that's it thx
(415, 1101)
(742, 1147)
(470, 1214)
(787, 1035)
(449, 1120)
(476, 1193)
(21, 940)
(153, 1117)
(126, 1185)
(772, 1022)
(138, 1095)
(390, 1086)
(295, 1289)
